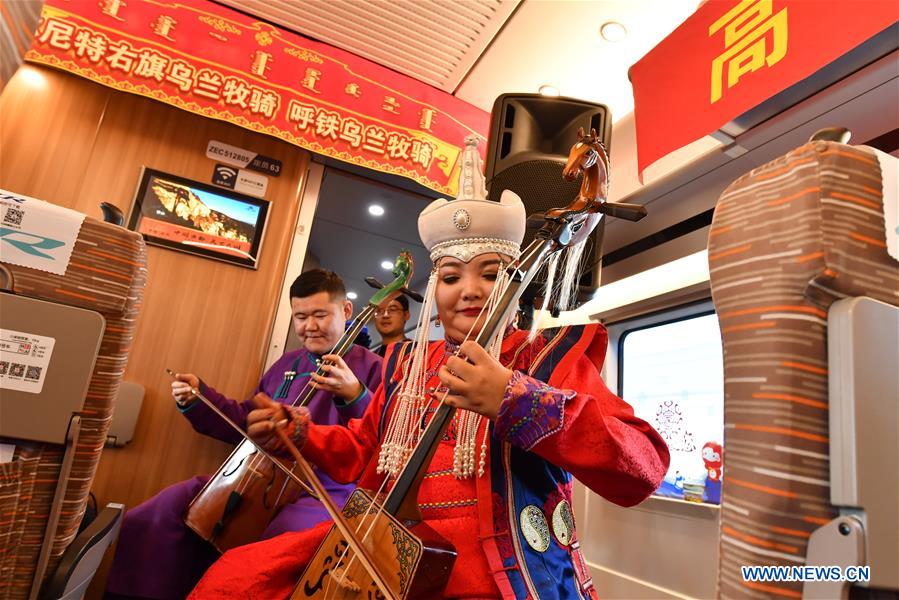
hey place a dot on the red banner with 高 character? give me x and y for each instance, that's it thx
(215, 62)
(732, 55)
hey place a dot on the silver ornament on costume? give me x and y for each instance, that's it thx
(461, 219)
(563, 523)
(534, 527)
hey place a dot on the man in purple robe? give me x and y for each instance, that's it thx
(157, 555)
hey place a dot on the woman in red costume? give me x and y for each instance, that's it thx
(533, 413)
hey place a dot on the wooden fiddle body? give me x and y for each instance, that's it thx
(248, 490)
(416, 560)
(240, 499)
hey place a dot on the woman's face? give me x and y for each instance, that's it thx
(462, 290)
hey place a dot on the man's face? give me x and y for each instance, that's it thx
(319, 321)
(392, 320)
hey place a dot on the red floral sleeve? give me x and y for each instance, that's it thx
(531, 411)
(581, 426)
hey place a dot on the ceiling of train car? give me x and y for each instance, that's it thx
(479, 49)
(434, 41)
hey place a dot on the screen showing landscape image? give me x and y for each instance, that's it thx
(186, 215)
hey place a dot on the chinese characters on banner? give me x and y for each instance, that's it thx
(218, 63)
(732, 55)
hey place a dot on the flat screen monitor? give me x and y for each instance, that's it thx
(180, 214)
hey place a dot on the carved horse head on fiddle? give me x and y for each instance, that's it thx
(588, 156)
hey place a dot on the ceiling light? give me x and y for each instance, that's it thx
(548, 90)
(613, 31)
(387, 265)
(376, 210)
(352, 295)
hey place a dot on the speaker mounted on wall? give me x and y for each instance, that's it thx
(530, 137)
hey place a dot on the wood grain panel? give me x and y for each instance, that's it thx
(78, 144)
(48, 123)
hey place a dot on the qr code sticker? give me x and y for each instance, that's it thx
(4, 367)
(16, 370)
(33, 373)
(13, 216)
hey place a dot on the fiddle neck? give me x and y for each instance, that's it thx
(402, 501)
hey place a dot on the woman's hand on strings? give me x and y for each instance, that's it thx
(337, 379)
(477, 384)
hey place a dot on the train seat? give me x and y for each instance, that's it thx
(796, 244)
(75, 325)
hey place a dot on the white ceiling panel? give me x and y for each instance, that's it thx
(558, 43)
(434, 41)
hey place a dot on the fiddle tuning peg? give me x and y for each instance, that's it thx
(414, 295)
(621, 210)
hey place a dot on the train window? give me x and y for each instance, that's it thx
(672, 374)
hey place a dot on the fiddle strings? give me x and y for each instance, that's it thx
(468, 422)
(404, 447)
(530, 252)
(399, 431)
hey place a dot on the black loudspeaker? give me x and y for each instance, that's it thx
(530, 136)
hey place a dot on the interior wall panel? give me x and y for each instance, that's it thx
(199, 315)
(76, 144)
(658, 549)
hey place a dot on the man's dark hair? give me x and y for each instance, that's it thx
(404, 302)
(318, 280)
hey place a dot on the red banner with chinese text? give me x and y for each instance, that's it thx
(732, 55)
(215, 62)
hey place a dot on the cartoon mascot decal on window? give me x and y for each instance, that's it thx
(712, 457)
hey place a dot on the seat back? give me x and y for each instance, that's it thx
(106, 273)
(787, 240)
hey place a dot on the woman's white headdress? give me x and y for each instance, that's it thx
(463, 228)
